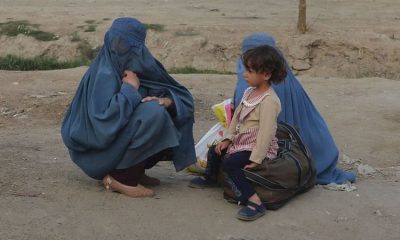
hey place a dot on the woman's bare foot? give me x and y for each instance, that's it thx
(138, 191)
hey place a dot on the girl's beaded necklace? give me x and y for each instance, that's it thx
(257, 99)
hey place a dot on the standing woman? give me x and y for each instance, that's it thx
(299, 111)
(128, 113)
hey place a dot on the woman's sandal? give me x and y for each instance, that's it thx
(138, 191)
(250, 214)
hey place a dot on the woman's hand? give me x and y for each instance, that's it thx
(164, 101)
(222, 146)
(131, 78)
(251, 165)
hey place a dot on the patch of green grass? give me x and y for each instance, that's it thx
(87, 51)
(15, 63)
(90, 28)
(249, 17)
(12, 62)
(43, 36)
(154, 26)
(81, 26)
(106, 19)
(90, 21)
(13, 28)
(75, 37)
(192, 70)
(186, 33)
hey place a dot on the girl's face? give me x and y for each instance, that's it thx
(255, 79)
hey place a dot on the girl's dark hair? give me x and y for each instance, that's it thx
(266, 59)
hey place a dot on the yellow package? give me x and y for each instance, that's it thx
(223, 112)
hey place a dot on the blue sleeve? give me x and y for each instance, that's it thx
(110, 108)
(177, 111)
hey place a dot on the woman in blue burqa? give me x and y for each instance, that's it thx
(128, 114)
(299, 111)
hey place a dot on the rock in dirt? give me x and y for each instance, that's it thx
(348, 187)
(365, 169)
(300, 65)
(378, 213)
(348, 161)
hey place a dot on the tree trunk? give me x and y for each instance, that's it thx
(301, 22)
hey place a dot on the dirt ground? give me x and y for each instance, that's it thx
(43, 195)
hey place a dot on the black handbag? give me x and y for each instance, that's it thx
(278, 180)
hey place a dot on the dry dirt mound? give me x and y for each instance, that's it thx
(200, 48)
(345, 38)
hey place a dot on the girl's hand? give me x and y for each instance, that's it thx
(222, 146)
(251, 165)
(131, 78)
(165, 101)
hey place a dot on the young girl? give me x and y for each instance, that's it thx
(251, 135)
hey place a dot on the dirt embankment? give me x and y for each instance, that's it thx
(346, 39)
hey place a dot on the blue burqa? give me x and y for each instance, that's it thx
(299, 111)
(108, 127)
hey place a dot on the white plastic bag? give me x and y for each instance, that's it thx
(223, 112)
(215, 134)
